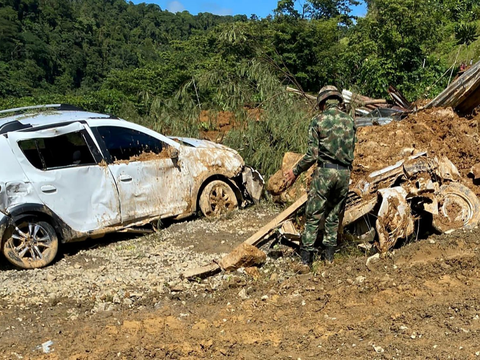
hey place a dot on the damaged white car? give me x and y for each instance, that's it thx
(67, 175)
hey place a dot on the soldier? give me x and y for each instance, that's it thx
(331, 144)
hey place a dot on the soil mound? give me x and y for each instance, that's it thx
(440, 132)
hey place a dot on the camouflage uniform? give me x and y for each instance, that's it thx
(331, 141)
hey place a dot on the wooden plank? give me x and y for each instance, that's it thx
(202, 272)
(265, 230)
(375, 102)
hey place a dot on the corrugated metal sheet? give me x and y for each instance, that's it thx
(463, 94)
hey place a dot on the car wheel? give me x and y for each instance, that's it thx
(458, 207)
(33, 244)
(217, 198)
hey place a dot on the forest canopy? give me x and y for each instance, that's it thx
(162, 69)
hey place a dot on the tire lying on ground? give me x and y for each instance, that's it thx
(217, 198)
(32, 244)
(458, 207)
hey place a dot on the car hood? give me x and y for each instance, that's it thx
(197, 143)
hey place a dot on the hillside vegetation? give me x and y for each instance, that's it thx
(162, 69)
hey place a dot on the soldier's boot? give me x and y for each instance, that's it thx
(306, 260)
(307, 257)
(329, 254)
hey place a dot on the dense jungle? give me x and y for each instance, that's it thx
(177, 72)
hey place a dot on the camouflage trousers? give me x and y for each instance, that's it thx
(325, 205)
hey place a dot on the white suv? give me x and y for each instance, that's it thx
(67, 175)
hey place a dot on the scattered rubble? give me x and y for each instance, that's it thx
(432, 151)
(391, 199)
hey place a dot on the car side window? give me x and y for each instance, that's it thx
(56, 152)
(127, 144)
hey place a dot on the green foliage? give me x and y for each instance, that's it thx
(283, 120)
(466, 33)
(315, 9)
(391, 45)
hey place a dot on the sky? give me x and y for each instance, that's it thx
(261, 8)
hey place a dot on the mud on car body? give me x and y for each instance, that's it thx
(67, 175)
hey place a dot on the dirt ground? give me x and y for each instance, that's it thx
(421, 302)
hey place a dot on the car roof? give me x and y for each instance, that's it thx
(44, 115)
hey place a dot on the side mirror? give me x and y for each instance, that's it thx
(174, 153)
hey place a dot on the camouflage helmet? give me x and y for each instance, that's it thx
(328, 92)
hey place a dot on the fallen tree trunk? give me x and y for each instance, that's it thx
(311, 97)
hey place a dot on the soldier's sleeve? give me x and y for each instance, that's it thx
(311, 155)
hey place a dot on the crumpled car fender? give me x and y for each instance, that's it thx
(395, 220)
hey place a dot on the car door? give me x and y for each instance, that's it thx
(151, 181)
(63, 166)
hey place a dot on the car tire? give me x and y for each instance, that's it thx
(217, 198)
(458, 207)
(32, 244)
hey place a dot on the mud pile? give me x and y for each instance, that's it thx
(440, 132)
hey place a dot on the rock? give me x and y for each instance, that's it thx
(243, 255)
(360, 279)
(274, 277)
(277, 186)
(243, 294)
(253, 272)
(177, 288)
(101, 307)
(127, 302)
(372, 260)
(475, 171)
(407, 152)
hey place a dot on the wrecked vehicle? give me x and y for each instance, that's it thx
(67, 175)
(420, 189)
(417, 194)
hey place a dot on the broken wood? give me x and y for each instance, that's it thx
(375, 102)
(463, 95)
(399, 99)
(311, 97)
(284, 215)
(206, 271)
(202, 272)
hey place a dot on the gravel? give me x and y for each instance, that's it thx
(110, 274)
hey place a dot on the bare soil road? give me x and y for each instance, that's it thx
(123, 299)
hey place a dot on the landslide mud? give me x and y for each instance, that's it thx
(440, 132)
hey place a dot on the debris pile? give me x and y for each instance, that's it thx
(440, 132)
